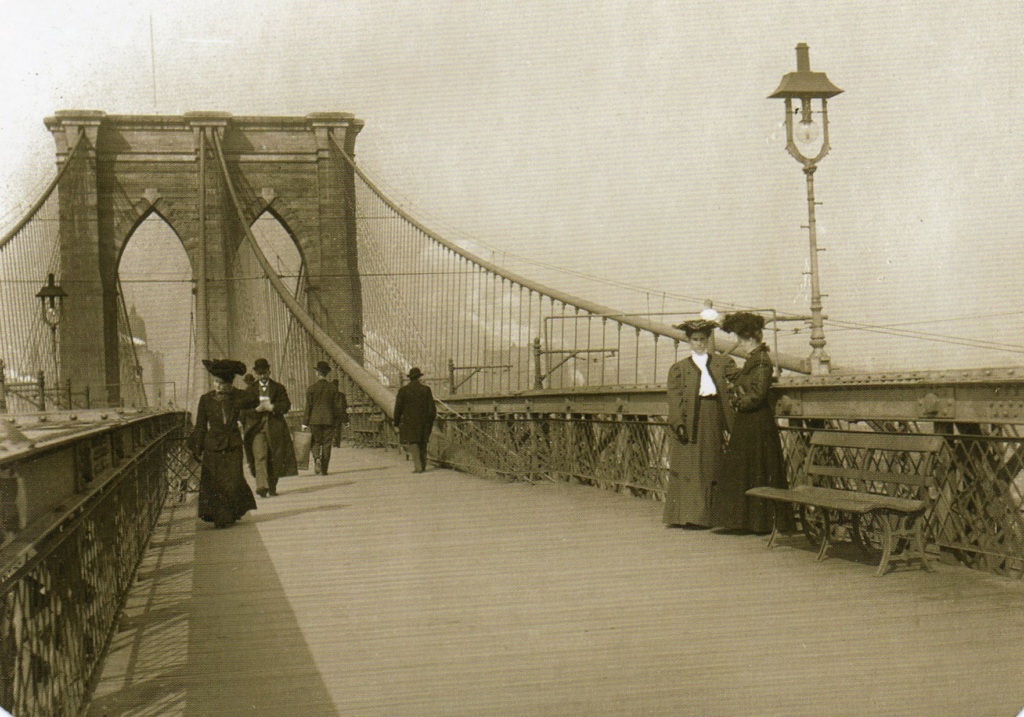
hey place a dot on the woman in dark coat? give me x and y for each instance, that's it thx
(699, 416)
(754, 457)
(224, 496)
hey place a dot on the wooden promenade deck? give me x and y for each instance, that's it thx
(373, 591)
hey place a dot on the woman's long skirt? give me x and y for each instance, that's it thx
(224, 496)
(694, 469)
(754, 459)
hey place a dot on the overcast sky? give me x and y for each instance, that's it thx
(633, 141)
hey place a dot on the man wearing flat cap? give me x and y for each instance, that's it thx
(414, 417)
(325, 408)
(272, 449)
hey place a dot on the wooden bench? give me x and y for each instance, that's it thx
(878, 482)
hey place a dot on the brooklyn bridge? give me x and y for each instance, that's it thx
(527, 571)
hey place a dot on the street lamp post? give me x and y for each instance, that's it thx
(51, 299)
(806, 136)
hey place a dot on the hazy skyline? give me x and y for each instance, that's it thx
(632, 142)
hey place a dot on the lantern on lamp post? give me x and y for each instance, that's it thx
(807, 142)
(51, 300)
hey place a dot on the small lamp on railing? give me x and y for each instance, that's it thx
(51, 300)
(808, 143)
(709, 313)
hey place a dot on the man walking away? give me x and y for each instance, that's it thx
(321, 417)
(414, 416)
(272, 449)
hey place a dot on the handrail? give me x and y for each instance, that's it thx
(380, 394)
(786, 361)
(45, 194)
(21, 554)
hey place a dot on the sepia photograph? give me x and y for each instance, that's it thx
(469, 357)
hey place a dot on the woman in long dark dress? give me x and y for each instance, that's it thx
(754, 456)
(699, 415)
(224, 496)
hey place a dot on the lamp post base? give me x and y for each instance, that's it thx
(820, 363)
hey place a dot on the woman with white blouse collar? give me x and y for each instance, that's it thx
(700, 417)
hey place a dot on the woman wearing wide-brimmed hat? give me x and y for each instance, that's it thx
(699, 417)
(224, 496)
(754, 457)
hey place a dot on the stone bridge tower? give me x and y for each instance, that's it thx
(136, 165)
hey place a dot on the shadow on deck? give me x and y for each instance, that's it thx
(373, 591)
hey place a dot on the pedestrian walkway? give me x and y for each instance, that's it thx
(373, 591)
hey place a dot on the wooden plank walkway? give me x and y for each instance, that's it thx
(373, 591)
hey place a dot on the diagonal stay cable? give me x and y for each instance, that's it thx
(380, 394)
(374, 389)
(377, 392)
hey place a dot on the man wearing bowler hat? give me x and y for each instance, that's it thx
(271, 442)
(414, 417)
(324, 411)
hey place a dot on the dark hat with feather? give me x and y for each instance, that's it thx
(697, 326)
(224, 369)
(705, 324)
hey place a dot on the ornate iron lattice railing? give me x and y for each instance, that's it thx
(623, 453)
(65, 574)
(976, 514)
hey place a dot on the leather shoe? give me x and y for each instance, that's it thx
(261, 492)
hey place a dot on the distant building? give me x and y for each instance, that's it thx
(151, 362)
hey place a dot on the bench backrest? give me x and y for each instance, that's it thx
(888, 463)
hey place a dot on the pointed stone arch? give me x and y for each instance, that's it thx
(248, 326)
(278, 241)
(155, 279)
(140, 164)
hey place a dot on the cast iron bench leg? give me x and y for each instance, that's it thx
(888, 538)
(826, 531)
(775, 526)
(925, 559)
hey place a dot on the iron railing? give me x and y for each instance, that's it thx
(64, 573)
(619, 441)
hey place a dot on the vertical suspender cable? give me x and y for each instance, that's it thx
(202, 308)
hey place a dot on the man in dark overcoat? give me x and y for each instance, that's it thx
(272, 448)
(414, 417)
(321, 417)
